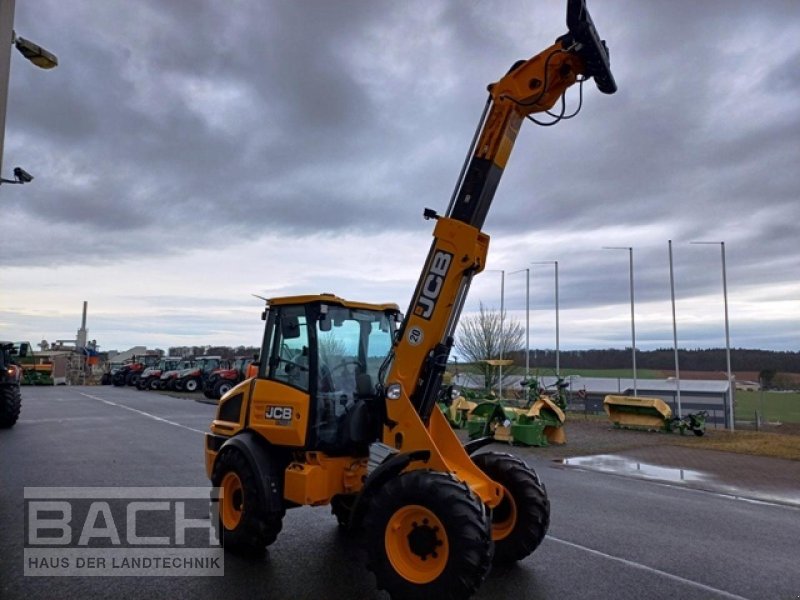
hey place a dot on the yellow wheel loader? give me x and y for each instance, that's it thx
(342, 411)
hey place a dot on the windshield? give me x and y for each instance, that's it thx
(351, 343)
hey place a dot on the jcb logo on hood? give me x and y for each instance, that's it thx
(278, 413)
(432, 284)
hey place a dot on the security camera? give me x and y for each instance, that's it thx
(22, 175)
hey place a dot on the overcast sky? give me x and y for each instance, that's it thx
(188, 154)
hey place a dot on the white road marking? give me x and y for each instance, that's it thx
(636, 565)
(143, 413)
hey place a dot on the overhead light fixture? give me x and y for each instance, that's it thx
(36, 54)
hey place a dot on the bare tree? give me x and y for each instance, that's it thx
(481, 338)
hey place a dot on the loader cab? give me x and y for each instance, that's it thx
(331, 350)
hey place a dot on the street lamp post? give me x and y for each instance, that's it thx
(558, 348)
(675, 334)
(527, 319)
(633, 321)
(727, 330)
(34, 53)
(502, 319)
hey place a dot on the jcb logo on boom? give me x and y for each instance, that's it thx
(432, 285)
(279, 413)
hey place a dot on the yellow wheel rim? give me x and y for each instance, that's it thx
(504, 517)
(232, 500)
(416, 544)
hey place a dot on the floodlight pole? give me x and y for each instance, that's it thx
(502, 317)
(675, 334)
(6, 41)
(633, 321)
(558, 347)
(34, 53)
(527, 319)
(731, 384)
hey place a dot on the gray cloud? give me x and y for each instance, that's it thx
(172, 126)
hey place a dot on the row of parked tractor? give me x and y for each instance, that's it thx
(213, 375)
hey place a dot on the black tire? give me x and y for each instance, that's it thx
(154, 384)
(106, 379)
(256, 528)
(131, 378)
(10, 406)
(118, 380)
(519, 524)
(141, 383)
(177, 385)
(191, 385)
(222, 387)
(698, 432)
(446, 546)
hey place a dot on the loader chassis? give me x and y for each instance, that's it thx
(342, 410)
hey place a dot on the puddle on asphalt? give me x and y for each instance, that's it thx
(612, 463)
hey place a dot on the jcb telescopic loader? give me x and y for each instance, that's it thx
(343, 409)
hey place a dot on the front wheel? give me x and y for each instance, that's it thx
(191, 385)
(427, 536)
(521, 520)
(10, 406)
(245, 526)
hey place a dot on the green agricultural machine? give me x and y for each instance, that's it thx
(651, 414)
(538, 421)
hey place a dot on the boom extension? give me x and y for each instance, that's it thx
(459, 248)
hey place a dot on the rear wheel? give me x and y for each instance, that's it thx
(521, 520)
(427, 536)
(246, 527)
(222, 387)
(10, 406)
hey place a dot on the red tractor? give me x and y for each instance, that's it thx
(219, 382)
(191, 380)
(129, 373)
(169, 378)
(151, 376)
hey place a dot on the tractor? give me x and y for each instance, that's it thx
(343, 409)
(151, 376)
(193, 378)
(129, 373)
(10, 379)
(218, 383)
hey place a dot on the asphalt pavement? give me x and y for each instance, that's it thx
(610, 536)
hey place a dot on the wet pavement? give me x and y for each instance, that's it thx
(748, 477)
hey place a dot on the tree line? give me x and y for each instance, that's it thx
(708, 359)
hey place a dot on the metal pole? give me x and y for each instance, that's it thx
(502, 318)
(675, 334)
(6, 41)
(558, 347)
(731, 384)
(527, 323)
(527, 320)
(633, 329)
(633, 322)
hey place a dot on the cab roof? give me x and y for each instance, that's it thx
(332, 299)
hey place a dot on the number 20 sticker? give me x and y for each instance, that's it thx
(415, 336)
